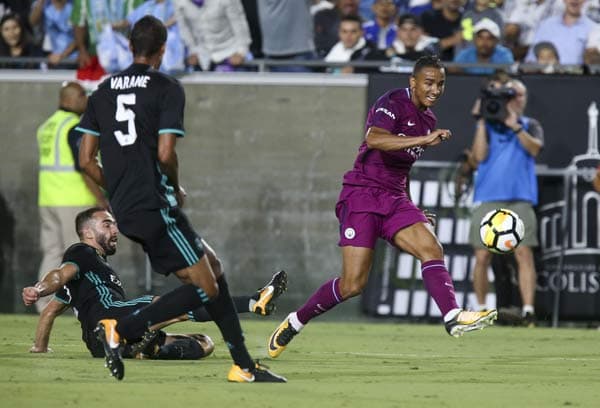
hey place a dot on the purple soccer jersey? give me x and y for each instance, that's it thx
(394, 112)
(374, 202)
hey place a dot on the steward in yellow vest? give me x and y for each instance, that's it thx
(63, 190)
(60, 184)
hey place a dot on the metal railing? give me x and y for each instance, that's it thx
(40, 63)
(395, 65)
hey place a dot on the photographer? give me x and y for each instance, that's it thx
(504, 148)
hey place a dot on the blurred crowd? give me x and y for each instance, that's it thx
(226, 35)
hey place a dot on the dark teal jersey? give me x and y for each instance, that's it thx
(128, 112)
(96, 285)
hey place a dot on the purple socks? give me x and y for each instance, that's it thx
(325, 298)
(436, 278)
(439, 285)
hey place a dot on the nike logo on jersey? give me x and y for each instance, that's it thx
(411, 123)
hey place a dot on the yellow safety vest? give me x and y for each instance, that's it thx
(60, 185)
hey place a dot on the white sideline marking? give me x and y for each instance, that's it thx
(51, 345)
(369, 354)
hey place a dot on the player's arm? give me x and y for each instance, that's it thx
(88, 159)
(74, 139)
(170, 127)
(169, 164)
(44, 327)
(96, 191)
(381, 139)
(50, 283)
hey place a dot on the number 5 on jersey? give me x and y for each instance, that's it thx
(125, 114)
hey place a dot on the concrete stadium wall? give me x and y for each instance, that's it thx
(262, 162)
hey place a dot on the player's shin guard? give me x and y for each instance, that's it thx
(223, 313)
(167, 307)
(438, 283)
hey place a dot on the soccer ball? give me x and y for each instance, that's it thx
(501, 231)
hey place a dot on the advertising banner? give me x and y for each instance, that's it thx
(567, 260)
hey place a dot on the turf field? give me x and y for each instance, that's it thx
(330, 365)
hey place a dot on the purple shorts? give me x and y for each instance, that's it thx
(366, 214)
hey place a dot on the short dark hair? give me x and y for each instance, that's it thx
(147, 36)
(409, 18)
(545, 45)
(84, 217)
(352, 17)
(427, 61)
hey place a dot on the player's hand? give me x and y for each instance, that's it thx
(437, 136)
(431, 217)
(30, 295)
(180, 196)
(38, 349)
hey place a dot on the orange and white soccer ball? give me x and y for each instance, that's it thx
(501, 231)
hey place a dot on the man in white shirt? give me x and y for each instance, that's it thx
(216, 32)
(568, 32)
(522, 20)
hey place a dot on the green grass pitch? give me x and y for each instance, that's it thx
(345, 364)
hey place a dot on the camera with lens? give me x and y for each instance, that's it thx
(493, 103)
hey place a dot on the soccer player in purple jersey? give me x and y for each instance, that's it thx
(375, 202)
